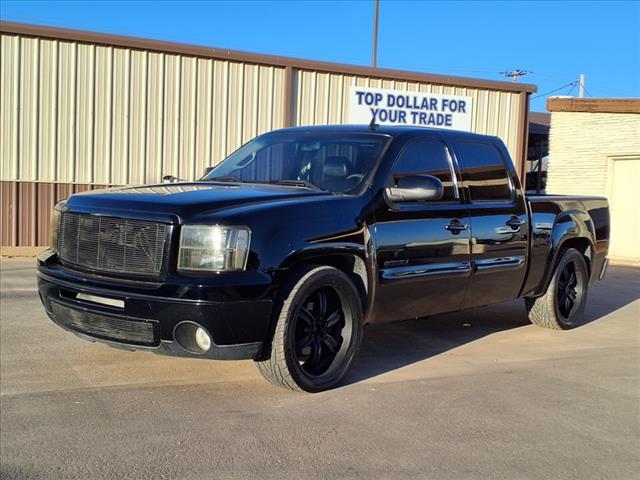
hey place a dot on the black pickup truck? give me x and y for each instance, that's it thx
(286, 249)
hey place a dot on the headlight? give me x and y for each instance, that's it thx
(213, 247)
(53, 229)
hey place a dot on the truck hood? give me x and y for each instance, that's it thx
(184, 199)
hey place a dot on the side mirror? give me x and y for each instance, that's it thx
(416, 188)
(207, 171)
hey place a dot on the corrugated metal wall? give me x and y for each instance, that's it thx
(81, 113)
(27, 207)
(76, 115)
(323, 98)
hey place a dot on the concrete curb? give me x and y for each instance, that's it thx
(29, 252)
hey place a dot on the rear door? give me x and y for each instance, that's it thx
(499, 223)
(422, 248)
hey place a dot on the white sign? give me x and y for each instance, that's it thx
(397, 107)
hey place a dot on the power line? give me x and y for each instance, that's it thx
(587, 91)
(560, 79)
(572, 84)
(434, 69)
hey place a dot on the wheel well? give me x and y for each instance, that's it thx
(351, 265)
(583, 246)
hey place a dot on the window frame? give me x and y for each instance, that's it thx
(453, 169)
(513, 194)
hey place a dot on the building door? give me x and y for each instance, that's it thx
(624, 205)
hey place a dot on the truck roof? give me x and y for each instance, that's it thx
(391, 130)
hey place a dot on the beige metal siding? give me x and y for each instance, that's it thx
(323, 98)
(9, 107)
(81, 113)
(25, 210)
(77, 112)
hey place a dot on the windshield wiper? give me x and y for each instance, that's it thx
(224, 178)
(297, 183)
(291, 182)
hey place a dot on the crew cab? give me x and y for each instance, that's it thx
(286, 249)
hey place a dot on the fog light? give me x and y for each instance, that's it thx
(193, 337)
(203, 340)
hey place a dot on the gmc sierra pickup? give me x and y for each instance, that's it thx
(286, 249)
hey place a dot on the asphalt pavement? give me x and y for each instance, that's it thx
(476, 395)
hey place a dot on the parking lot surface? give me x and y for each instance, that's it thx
(479, 394)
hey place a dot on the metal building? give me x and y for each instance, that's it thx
(82, 110)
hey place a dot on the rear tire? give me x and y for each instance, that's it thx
(317, 334)
(562, 305)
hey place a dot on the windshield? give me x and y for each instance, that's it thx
(335, 162)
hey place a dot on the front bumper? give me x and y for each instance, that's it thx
(144, 320)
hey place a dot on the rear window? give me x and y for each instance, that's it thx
(483, 171)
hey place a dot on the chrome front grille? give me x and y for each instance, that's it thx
(108, 326)
(110, 244)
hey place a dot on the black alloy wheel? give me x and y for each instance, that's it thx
(569, 290)
(317, 333)
(562, 305)
(320, 322)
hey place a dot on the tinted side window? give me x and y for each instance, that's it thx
(427, 157)
(483, 171)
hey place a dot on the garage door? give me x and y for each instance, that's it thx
(624, 198)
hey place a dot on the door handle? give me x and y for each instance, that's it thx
(455, 226)
(514, 222)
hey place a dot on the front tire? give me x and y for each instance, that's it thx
(318, 332)
(562, 305)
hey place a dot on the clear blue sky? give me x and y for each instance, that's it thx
(555, 40)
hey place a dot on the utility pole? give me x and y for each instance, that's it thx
(581, 82)
(515, 74)
(376, 9)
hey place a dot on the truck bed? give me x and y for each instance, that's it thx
(555, 217)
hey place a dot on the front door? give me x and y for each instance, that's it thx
(422, 248)
(499, 223)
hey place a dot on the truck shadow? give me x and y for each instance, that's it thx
(620, 287)
(388, 347)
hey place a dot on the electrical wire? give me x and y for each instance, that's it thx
(586, 91)
(572, 84)
(433, 69)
